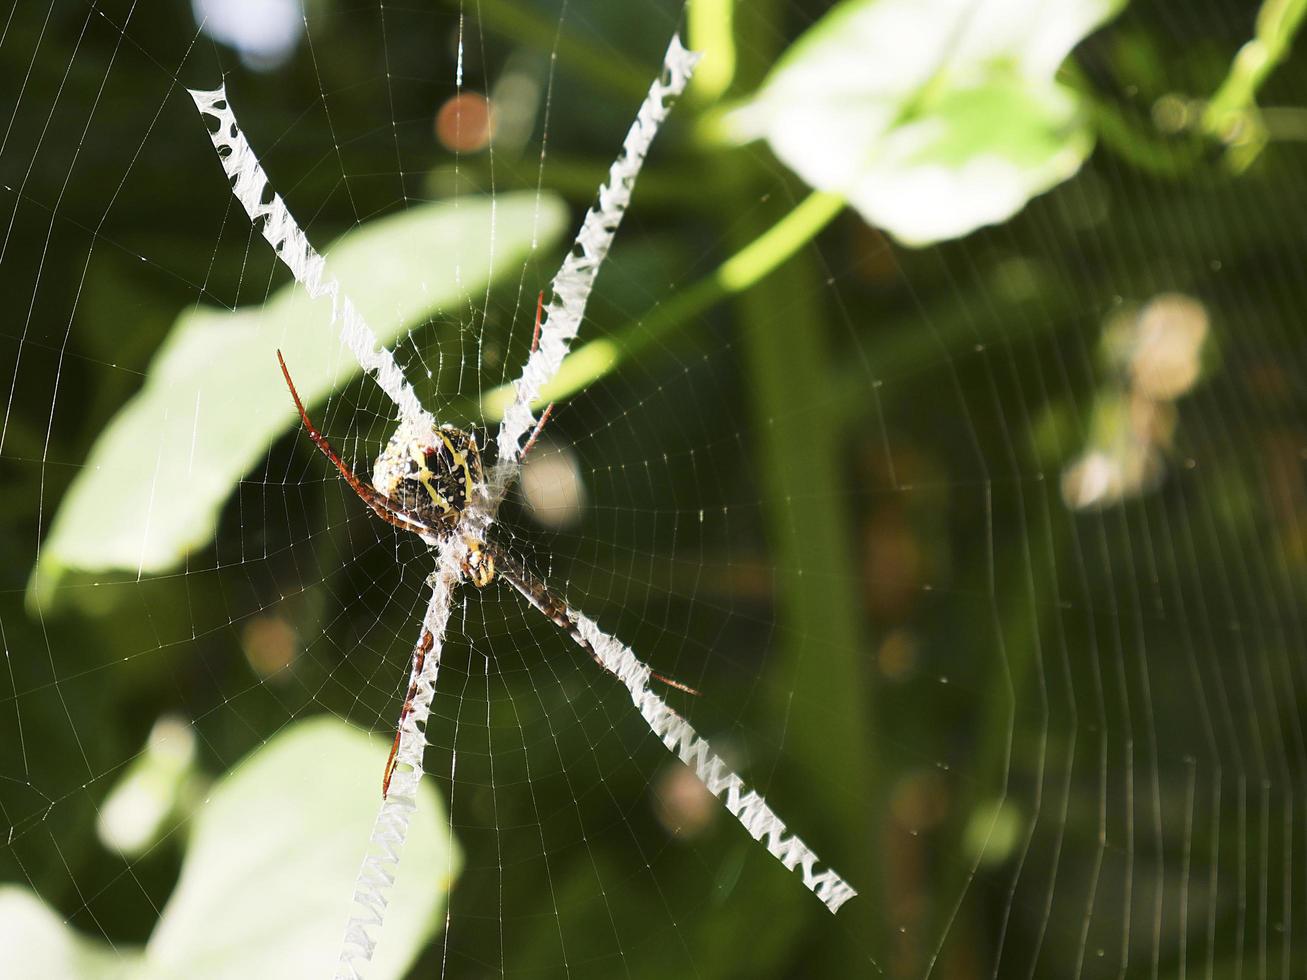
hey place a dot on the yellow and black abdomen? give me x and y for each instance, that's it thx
(433, 477)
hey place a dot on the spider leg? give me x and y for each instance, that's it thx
(318, 438)
(535, 345)
(378, 503)
(536, 593)
(540, 310)
(419, 658)
(535, 433)
(674, 683)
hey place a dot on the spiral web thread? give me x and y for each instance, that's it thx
(571, 289)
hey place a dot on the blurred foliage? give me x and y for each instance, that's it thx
(827, 477)
(934, 137)
(398, 271)
(268, 876)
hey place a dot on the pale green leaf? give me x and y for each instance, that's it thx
(213, 399)
(36, 944)
(932, 117)
(268, 879)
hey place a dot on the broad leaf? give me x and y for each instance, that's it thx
(268, 878)
(37, 944)
(214, 400)
(933, 117)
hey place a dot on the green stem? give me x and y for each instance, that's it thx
(750, 265)
(1277, 23)
(711, 24)
(1231, 116)
(1136, 143)
(818, 664)
(778, 243)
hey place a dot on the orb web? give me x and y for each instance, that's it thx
(984, 557)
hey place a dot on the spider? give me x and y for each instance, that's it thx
(424, 485)
(429, 481)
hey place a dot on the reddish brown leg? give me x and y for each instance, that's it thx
(380, 505)
(535, 345)
(389, 511)
(536, 593)
(419, 659)
(676, 684)
(540, 312)
(535, 433)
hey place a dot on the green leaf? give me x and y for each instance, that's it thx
(36, 944)
(932, 117)
(213, 400)
(268, 879)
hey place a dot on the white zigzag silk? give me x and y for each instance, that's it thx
(744, 804)
(575, 278)
(390, 832)
(250, 188)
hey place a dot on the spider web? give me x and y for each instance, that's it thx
(1014, 648)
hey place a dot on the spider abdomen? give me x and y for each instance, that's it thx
(432, 477)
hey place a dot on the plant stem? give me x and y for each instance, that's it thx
(750, 265)
(712, 33)
(1231, 116)
(818, 666)
(1138, 144)
(820, 658)
(1277, 23)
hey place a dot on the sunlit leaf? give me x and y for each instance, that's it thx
(213, 400)
(268, 880)
(37, 944)
(933, 117)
